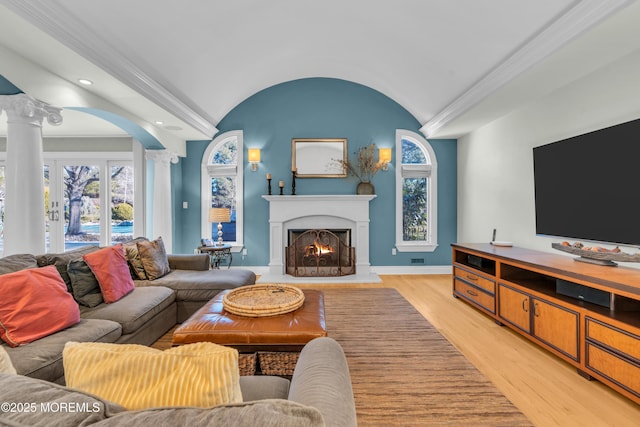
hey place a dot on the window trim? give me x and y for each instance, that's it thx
(429, 171)
(209, 171)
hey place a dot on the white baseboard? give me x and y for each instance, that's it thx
(402, 269)
(351, 278)
(376, 269)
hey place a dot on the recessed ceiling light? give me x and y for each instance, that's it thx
(159, 122)
(85, 82)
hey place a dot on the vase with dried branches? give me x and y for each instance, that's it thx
(364, 168)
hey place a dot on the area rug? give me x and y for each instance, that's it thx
(404, 372)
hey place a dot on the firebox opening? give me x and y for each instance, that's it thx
(320, 253)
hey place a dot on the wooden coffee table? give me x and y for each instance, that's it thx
(272, 338)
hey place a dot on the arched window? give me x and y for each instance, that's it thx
(416, 193)
(222, 187)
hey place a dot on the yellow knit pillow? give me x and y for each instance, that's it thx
(139, 377)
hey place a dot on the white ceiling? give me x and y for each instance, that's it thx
(454, 65)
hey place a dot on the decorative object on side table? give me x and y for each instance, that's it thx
(596, 254)
(219, 215)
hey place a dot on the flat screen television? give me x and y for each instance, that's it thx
(588, 186)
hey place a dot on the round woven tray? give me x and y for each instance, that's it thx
(263, 300)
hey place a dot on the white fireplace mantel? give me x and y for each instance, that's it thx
(318, 211)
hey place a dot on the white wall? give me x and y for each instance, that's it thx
(495, 162)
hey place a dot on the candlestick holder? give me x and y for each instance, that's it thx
(269, 186)
(281, 191)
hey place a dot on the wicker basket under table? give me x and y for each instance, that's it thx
(247, 363)
(277, 362)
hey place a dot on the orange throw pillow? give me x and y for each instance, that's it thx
(110, 267)
(35, 303)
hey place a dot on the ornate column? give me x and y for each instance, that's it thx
(162, 208)
(24, 221)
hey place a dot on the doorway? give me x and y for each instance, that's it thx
(88, 202)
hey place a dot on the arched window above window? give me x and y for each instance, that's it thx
(416, 194)
(222, 187)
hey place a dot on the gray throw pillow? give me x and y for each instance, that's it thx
(61, 261)
(17, 262)
(84, 285)
(154, 258)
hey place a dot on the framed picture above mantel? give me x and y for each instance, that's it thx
(319, 158)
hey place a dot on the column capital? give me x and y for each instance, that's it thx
(162, 156)
(22, 108)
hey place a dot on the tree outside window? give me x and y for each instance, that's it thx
(414, 196)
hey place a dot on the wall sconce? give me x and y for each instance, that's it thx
(384, 157)
(254, 158)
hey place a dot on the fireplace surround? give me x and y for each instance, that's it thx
(305, 212)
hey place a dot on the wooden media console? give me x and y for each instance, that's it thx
(588, 315)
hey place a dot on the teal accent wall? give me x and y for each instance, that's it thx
(319, 108)
(8, 88)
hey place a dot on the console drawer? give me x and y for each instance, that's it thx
(620, 371)
(476, 280)
(475, 295)
(616, 339)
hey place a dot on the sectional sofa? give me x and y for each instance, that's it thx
(319, 394)
(141, 316)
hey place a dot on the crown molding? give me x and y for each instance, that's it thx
(53, 18)
(578, 19)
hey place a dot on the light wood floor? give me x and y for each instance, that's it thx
(546, 389)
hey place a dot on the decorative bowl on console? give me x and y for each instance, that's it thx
(597, 257)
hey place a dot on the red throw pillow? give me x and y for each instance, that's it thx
(110, 267)
(35, 303)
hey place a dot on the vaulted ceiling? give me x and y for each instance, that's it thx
(454, 65)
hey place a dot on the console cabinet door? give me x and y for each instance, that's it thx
(513, 307)
(556, 326)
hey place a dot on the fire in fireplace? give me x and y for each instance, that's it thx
(320, 253)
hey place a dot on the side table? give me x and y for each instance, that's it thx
(217, 254)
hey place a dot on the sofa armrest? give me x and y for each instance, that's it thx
(321, 379)
(189, 262)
